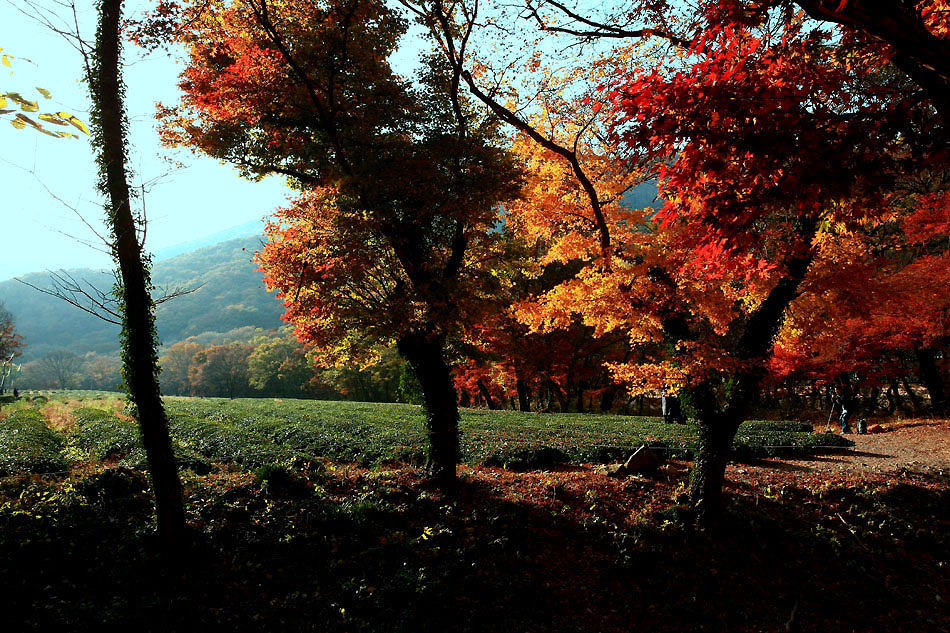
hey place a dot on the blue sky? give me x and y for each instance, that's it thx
(182, 204)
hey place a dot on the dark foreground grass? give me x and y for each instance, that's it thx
(329, 545)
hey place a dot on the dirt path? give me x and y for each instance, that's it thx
(920, 446)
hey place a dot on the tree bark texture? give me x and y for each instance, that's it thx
(718, 423)
(140, 361)
(425, 355)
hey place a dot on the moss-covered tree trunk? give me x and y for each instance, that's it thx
(425, 354)
(139, 357)
(721, 411)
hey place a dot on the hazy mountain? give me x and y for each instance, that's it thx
(228, 294)
(249, 229)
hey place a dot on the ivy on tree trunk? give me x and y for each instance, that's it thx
(139, 357)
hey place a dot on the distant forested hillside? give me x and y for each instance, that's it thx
(229, 295)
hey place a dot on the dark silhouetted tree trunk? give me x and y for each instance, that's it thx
(933, 381)
(425, 355)
(140, 361)
(524, 398)
(607, 399)
(718, 423)
(486, 394)
(914, 402)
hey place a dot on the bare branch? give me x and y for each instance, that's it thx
(84, 295)
(81, 294)
(598, 29)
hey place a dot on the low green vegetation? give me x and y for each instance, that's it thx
(246, 434)
(27, 445)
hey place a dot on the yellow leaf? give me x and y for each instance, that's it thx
(29, 121)
(76, 123)
(43, 91)
(3, 101)
(52, 118)
(6, 60)
(17, 123)
(25, 104)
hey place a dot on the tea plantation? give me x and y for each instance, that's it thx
(245, 434)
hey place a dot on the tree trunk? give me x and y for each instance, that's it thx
(709, 468)
(486, 394)
(140, 360)
(719, 423)
(555, 390)
(607, 399)
(914, 402)
(933, 381)
(425, 355)
(893, 398)
(524, 398)
(873, 402)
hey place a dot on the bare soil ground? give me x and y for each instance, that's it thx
(909, 446)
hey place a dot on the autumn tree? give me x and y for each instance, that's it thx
(101, 372)
(391, 238)
(176, 366)
(279, 366)
(60, 367)
(11, 343)
(767, 136)
(876, 303)
(771, 138)
(221, 370)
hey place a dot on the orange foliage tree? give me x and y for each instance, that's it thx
(876, 299)
(391, 239)
(769, 137)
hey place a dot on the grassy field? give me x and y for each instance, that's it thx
(306, 517)
(249, 433)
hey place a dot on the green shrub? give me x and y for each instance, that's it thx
(27, 445)
(751, 445)
(280, 481)
(776, 425)
(225, 443)
(100, 435)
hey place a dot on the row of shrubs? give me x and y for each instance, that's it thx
(251, 434)
(27, 445)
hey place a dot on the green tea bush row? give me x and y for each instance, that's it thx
(775, 425)
(752, 445)
(225, 443)
(100, 435)
(368, 432)
(27, 445)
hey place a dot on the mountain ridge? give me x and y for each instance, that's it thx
(226, 294)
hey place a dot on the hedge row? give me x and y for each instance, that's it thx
(27, 445)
